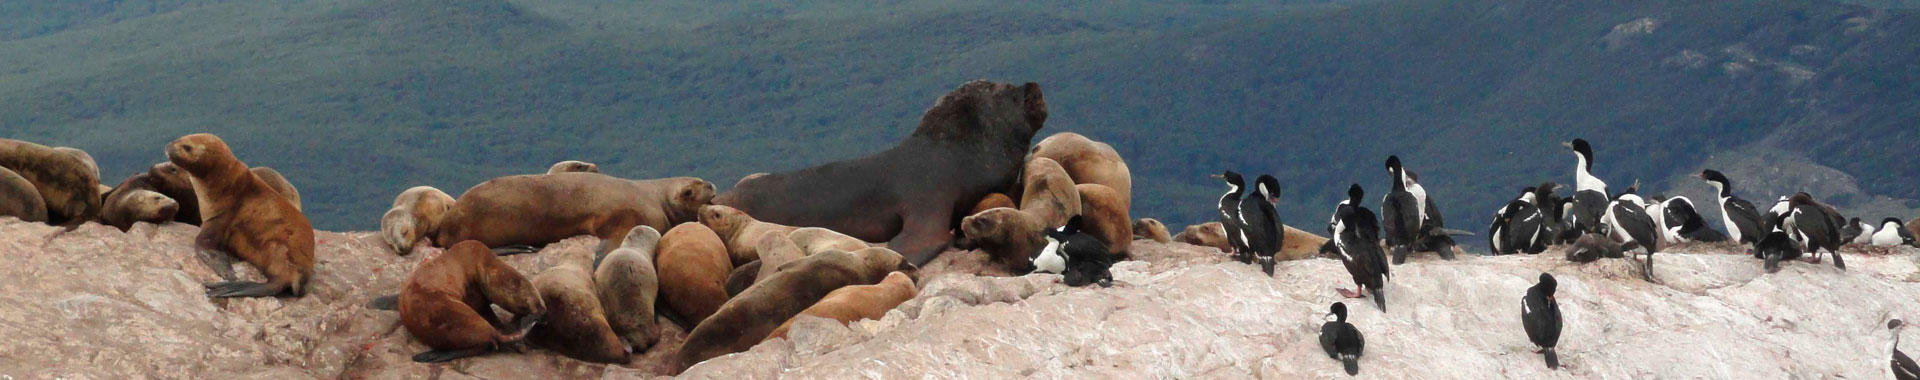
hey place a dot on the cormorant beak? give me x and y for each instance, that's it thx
(1569, 145)
(1697, 175)
(1216, 176)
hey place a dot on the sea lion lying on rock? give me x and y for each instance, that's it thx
(415, 215)
(19, 199)
(447, 304)
(576, 324)
(1087, 161)
(1151, 229)
(856, 302)
(628, 285)
(971, 143)
(135, 200)
(517, 213)
(69, 185)
(748, 319)
(741, 232)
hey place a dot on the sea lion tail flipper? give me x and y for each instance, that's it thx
(220, 262)
(442, 356)
(244, 289)
(388, 302)
(508, 250)
(1553, 359)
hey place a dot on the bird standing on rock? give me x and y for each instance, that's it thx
(1540, 314)
(1356, 238)
(1230, 215)
(1261, 223)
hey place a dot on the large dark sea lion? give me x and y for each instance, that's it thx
(971, 143)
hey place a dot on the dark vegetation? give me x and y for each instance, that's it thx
(356, 100)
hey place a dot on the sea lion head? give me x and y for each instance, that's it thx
(198, 153)
(725, 221)
(881, 261)
(643, 238)
(573, 167)
(983, 108)
(166, 175)
(151, 207)
(686, 197)
(398, 229)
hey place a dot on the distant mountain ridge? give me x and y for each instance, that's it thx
(356, 100)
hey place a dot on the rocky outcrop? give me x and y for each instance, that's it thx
(98, 303)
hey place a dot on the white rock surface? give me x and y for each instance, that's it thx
(96, 303)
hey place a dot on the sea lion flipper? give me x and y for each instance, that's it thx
(442, 356)
(388, 302)
(516, 249)
(220, 262)
(923, 235)
(244, 289)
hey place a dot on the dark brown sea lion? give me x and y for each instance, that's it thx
(447, 303)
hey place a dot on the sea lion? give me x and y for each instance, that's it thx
(279, 184)
(1151, 229)
(1007, 235)
(69, 185)
(136, 200)
(1087, 161)
(992, 201)
(576, 324)
(777, 251)
(416, 214)
(815, 240)
(972, 142)
(170, 180)
(746, 320)
(1049, 193)
(742, 277)
(693, 266)
(447, 303)
(1209, 234)
(573, 167)
(627, 285)
(741, 233)
(857, 302)
(244, 217)
(104, 189)
(1103, 211)
(92, 166)
(19, 199)
(535, 210)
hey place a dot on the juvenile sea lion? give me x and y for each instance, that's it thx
(69, 185)
(535, 210)
(1049, 193)
(246, 218)
(1087, 161)
(746, 320)
(447, 303)
(136, 200)
(170, 180)
(573, 167)
(1104, 213)
(1151, 229)
(857, 302)
(415, 215)
(741, 233)
(576, 324)
(1007, 235)
(992, 201)
(19, 199)
(627, 285)
(693, 267)
(972, 142)
(1209, 234)
(815, 240)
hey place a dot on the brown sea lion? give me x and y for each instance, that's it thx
(136, 200)
(244, 217)
(857, 302)
(746, 320)
(1007, 235)
(972, 142)
(92, 166)
(19, 199)
(627, 285)
(279, 184)
(741, 233)
(1151, 229)
(1103, 213)
(815, 240)
(576, 324)
(777, 251)
(170, 180)
(573, 167)
(1049, 193)
(415, 215)
(447, 303)
(1209, 234)
(69, 185)
(534, 210)
(693, 267)
(1299, 245)
(1087, 161)
(742, 277)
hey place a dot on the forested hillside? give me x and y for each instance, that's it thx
(356, 100)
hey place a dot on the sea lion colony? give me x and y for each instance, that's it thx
(841, 242)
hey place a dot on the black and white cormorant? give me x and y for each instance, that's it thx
(1341, 340)
(1540, 314)
(1260, 223)
(1629, 224)
(1680, 222)
(1356, 239)
(1520, 226)
(1902, 366)
(1816, 226)
(1892, 233)
(1857, 232)
(1230, 215)
(1590, 200)
(1410, 221)
(1743, 222)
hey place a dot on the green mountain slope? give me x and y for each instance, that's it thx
(357, 100)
